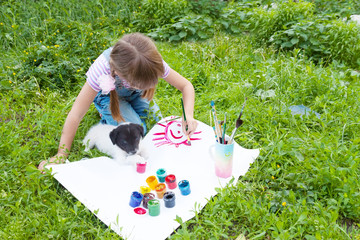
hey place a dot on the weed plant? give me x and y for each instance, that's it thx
(304, 184)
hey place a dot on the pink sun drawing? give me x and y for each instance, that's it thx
(172, 135)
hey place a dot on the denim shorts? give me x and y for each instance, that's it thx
(133, 107)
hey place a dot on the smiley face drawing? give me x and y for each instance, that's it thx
(172, 135)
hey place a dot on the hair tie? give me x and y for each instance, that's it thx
(106, 83)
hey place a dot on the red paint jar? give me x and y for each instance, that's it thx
(171, 181)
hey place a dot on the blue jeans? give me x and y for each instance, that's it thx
(133, 107)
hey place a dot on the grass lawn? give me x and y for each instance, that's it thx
(304, 185)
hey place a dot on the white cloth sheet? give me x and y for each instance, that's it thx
(105, 187)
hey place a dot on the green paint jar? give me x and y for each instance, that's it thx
(154, 207)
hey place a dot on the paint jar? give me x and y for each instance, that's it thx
(135, 199)
(184, 187)
(144, 189)
(171, 181)
(139, 211)
(147, 198)
(169, 199)
(160, 190)
(154, 207)
(152, 182)
(161, 174)
(140, 167)
(223, 156)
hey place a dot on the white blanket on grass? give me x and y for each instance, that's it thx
(105, 187)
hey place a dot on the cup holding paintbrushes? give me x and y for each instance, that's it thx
(222, 151)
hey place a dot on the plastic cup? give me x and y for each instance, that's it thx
(223, 156)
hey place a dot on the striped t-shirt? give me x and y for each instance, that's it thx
(102, 67)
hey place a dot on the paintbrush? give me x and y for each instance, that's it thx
(238, 123)
(223, 135)
(169, 120)
(218, 131)
(186, 128)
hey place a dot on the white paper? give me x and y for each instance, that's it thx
(105, 187)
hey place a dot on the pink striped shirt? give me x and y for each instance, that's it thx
(102, 67)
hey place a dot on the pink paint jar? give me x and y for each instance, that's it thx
(140, 167)
(171, 181)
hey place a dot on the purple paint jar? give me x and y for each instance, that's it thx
(147, 198)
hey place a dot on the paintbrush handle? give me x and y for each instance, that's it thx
(216, 123)
(232, 136)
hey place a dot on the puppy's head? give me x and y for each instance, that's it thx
(127, 136)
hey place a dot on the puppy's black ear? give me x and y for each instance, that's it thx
(113, 136)
(141, 130)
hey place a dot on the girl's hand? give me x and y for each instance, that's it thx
(57, 159)
(191, 125)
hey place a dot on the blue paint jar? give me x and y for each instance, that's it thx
(169, 199)
(184, 187)
(135, 199)
(161, 174)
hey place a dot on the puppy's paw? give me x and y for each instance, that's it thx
(133, 159)
(144, 153)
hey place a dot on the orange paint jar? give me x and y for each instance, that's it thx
(160, 190)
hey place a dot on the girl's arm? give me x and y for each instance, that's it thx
(187, 90)
(76, 114)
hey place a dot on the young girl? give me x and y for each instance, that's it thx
(121, 83)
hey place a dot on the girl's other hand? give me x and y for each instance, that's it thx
(57, 159)
(191, 126)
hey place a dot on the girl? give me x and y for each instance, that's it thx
(121, 82)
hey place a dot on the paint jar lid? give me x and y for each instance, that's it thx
(150, 179)
(140, 210)
(161, 171)
(149, 196)
(170, 178)
(137, 195)
(183, 183)
(153, 202)
(169, 196)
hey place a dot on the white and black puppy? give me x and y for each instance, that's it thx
(119, 142)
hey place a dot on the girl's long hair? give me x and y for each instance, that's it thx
(137, 59)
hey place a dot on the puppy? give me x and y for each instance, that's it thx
(119, 142)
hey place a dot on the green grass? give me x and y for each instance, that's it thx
(304, 185)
